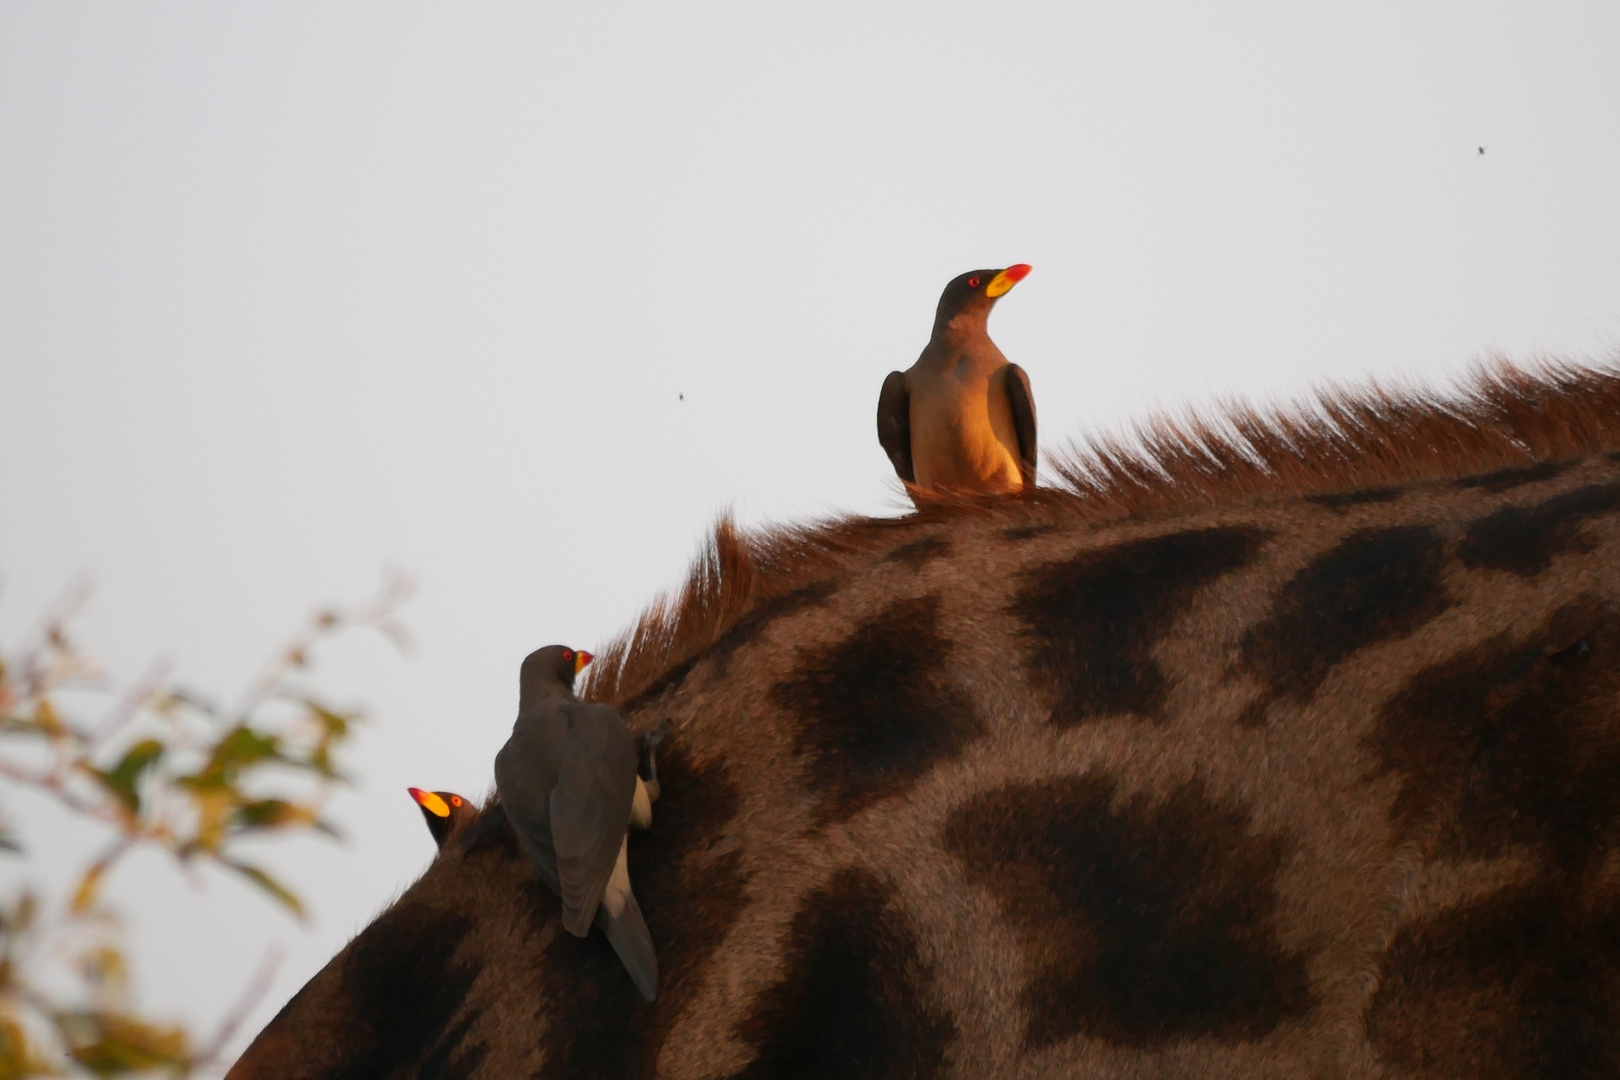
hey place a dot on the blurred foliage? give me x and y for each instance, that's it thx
(158, 767)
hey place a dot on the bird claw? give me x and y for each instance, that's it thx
(649, 743)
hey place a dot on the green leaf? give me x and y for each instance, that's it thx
(18, 1056)
(112, 1044)
(268, 814)
(46, 719)
(268, 884)
(237, 749)
(335, 723)
(20, 918)
(20, 725)
(123, 778)
(320, 761)
(178, 697)
(85, 895)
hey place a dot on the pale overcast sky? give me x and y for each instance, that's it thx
(293, 291)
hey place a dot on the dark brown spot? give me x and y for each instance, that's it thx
(597, 1025)
(1524, 539)
(404, 986)
(854, 1000)
(1095, 618)
(876, 711)
(1513, 742)
(1343, 500)
(452, 1059)
(1520, 986)
(671, 678)
(1144, 923)
(1026, 532)
(743, 631)
(1516, 476)
(1254, 716)
(1377, 585)
(918, 552)
(396, 1001)
(751, 625)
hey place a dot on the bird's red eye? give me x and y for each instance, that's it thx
(568, 654)
(455, 800)
(973, 283)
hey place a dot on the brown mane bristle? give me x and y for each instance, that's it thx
(1334, 441)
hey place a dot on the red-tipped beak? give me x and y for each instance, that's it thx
(581, 658)
(430, 802)
(1007, 279)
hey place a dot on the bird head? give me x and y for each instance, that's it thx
(967, 300)
(444, 812)
(551, 670)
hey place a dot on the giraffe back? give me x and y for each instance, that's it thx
(1297, 785)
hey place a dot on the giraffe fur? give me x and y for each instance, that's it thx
(1295, 755)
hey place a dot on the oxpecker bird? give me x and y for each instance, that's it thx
(444, 811)
(962, 419)
(567, 778)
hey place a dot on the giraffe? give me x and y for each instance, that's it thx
(1281, 746)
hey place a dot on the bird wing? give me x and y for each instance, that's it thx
(590, 807)
(628, 935)
(527, 805)
(1023, 414)
(894, 424)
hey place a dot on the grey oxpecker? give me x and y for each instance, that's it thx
(962, 419)
(567, 778)
(444, 811)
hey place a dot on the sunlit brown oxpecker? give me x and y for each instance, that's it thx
(962, 419)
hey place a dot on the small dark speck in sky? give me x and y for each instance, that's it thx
(1482, 151)
(683, 397)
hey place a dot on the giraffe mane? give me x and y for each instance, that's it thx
(1334, 440)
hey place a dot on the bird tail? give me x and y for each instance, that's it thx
(629, 937)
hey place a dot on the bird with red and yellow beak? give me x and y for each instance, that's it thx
(444, 811)
(568, 781)
(962, 419)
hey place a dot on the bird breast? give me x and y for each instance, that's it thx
(962, 434)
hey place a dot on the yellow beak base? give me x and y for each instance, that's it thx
(1006, 280)
(430, 802)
